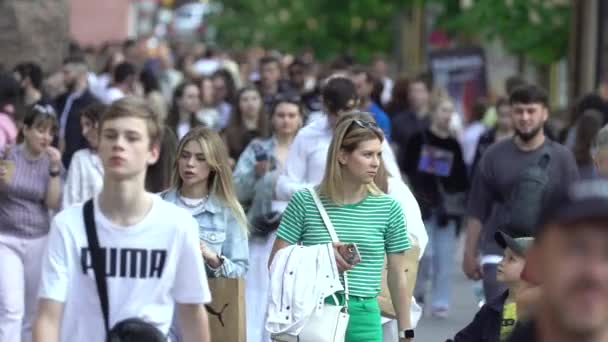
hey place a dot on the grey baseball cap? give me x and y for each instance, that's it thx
(519, 245)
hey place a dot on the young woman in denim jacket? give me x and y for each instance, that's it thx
(203, 185)
(254, 177)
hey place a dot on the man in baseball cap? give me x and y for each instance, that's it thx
(569, 259)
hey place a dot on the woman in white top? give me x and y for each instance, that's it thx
(254, 177)
(186, 102)
(85, 175)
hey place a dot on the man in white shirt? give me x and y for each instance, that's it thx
(152, 251)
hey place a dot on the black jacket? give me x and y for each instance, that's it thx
(523, 332)
(485, 327)
(74, 140)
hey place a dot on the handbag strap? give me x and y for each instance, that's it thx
(98, 261)
(330, 229)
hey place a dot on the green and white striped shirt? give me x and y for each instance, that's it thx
(376, 225)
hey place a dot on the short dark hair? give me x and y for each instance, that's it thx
(9, 90)
(513, 82)
(32, 71)
(94, 111)
(425, 78)
(268, 60)
(529, 94)
(369, 76)
(339, 93)
(123, 71)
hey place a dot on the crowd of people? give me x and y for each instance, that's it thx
(197, 163)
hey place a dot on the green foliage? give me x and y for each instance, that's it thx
(358, 27)
(537, 29)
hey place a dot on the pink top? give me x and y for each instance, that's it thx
(8, 131)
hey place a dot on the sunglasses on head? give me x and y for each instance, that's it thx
(46, 110)
(365, 124)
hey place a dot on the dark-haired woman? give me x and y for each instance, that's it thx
(85, 175)
(248, 121)
(30, 185)
(186, 102)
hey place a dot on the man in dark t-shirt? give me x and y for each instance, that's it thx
(498, 176)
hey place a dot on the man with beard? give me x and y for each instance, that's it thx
(568, 259)
(514, 177)
(69, 106)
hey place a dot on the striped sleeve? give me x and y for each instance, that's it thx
(292, 222)
(396, 240)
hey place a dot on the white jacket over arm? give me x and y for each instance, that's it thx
(300, 279)
(398, 190)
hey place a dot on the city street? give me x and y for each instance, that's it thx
(461, 313)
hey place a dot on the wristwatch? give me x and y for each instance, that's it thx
(54, 173)
(408, 333)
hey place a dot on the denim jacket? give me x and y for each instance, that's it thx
(220, 231)
(254, 192)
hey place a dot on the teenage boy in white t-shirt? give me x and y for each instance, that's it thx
(152, 251)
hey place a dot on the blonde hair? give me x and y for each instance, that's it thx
(220, 176)
(438, 97)
(351, 130)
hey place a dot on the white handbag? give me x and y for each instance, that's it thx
(329, 324)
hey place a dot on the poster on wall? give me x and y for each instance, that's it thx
(462, 73)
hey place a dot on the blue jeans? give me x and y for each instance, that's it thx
(437, 263)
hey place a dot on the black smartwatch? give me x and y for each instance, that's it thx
(409, 333)
(54, 173)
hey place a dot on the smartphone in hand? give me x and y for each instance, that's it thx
(350, 253)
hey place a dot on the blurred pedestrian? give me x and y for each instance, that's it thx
(600, 152)
(85, 175)
(502, 130)
(414, 118)
(513, 179)
(123, 83)
(29, 75)
(9, 97)
(364, 82)
(248, 121)
(436, 170)
(272, 86)
(152, 93)
(209, 114)
(224, 92)
(586, 131)
(70, 104)
(30, 186)
(568, 260)
(255, 176)
(186, 102)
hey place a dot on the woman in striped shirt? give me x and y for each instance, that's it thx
(361, 214)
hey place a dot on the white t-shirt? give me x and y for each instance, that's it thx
(151, 266)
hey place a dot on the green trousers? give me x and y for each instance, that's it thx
(364, 324)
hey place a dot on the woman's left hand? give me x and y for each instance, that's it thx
(210, 257)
